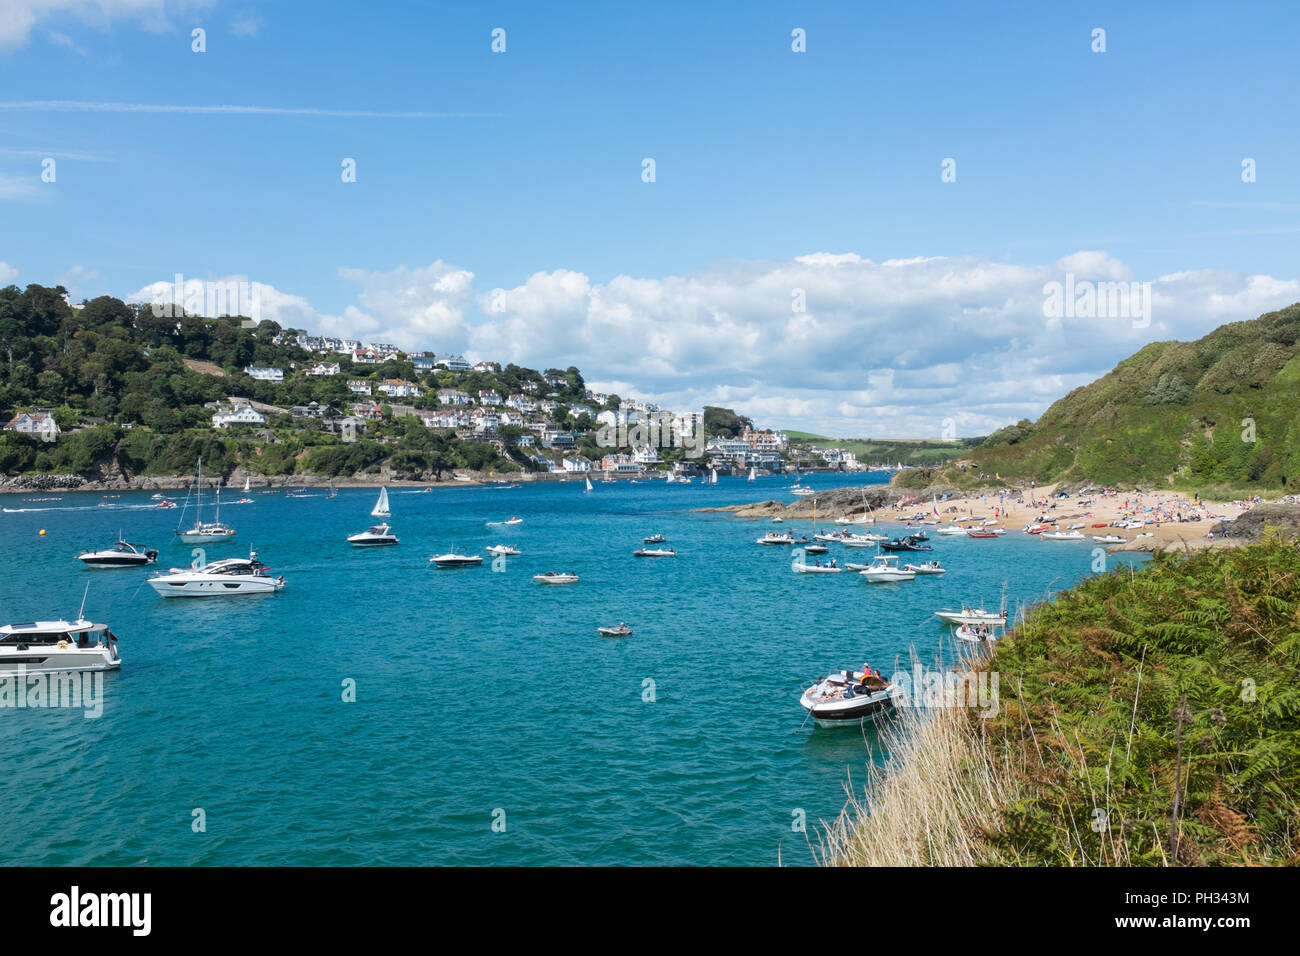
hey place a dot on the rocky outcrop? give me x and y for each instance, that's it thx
(1251, 526)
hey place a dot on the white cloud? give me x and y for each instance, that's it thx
(75, 279)
(8, 273)
(246, 23)
(19, 17)
(890, 349)
(19, 187)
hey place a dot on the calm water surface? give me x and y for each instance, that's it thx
(476, 691)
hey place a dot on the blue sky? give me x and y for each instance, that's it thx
(763, 156)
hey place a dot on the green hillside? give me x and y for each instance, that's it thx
(1217, 412)
(908, 451)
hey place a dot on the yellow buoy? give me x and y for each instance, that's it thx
(42, 531)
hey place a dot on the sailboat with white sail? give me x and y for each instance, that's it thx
(587, 490)
(333, 490)
(245, 500)
(380, 510)
(211, 532)
(753, 474)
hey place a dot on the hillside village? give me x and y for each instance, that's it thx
(111, 389)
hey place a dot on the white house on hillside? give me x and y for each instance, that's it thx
(40, 424)
(263, 374)
(228, 415)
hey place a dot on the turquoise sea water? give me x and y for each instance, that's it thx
(477, 691)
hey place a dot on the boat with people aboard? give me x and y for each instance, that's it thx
(654, 553)
(124, 554)
(376, 536)
(453, 560)
(622, 630)
(970, 615)
(381, 510)
(514, 520)
(654, 539)
(57, 647)
(225, 578)
(830, 567)
(773, 537)
(976, 633)
(503, 550)
(926, 567)
(883, 569)
(845, 698)
(910, 543)
(556, 577)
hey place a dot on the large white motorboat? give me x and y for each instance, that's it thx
(970, 615)
(203, 532)
(453, 560)
(376, 536)
(225, 578)
(124, 554)
(57, 646)
(848, 697)
(885, 568)
(380, 510)
(800, 491)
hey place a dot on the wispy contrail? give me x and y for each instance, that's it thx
(83, 106)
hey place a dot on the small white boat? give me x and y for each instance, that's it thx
(800, 568)
(776, 539)
(515, 520)
(121, 555)
(1061, 536)
(621, 631)
(845, 698)
(380, 510)
(654, 553)
(970, 615)
(799, 492)
(57, 647)
(976, 633)
(225, 578)
(951, 529)
(555, 577)
(1133, 525)
(654, 539)
(851, 566)
(884, 568)
(1109, 539)
(502, 550)
(926, 567)
(777, 520)
(374, 537)
(453, 560)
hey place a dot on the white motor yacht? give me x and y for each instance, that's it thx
(57, 646)
(374, 537)
(884, 569)
(970, 615)
(848, 697)
(453, 560)
(555, 577)
(225, 578)
(121, 555)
